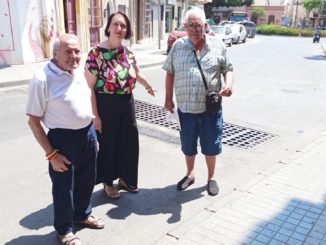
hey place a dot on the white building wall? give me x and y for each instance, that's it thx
(28, 30)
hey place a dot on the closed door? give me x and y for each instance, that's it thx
(70, 16)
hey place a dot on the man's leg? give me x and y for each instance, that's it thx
(84, 178)
(189, 179)
(62, 185)
(190, 161)
(211, 128)
(211, 162)
(188, 138)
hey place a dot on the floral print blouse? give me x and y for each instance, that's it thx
(113, 69)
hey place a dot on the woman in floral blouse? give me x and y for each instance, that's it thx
(111, 72)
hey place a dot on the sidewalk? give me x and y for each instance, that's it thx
(323, 47)
(283, 205)
(146, 55)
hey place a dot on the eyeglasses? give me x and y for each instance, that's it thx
(194, 27)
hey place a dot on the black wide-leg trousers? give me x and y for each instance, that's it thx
(118, 142)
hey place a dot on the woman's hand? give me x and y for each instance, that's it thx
(97, 123)
(150, 90)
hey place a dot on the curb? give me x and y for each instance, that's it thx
(323, 48)
(9, 84)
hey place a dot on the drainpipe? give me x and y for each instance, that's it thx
(159, 23)
(131, 18)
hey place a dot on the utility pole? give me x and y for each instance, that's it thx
(159, 22)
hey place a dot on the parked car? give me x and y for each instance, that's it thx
(226, 22)
(239, 33)
(250, 28)
(223, 33)
(181, 32)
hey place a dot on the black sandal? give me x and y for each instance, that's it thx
(212, 188)
(185, 183)
(124, 186)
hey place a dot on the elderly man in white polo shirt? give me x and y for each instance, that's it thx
(60, 99)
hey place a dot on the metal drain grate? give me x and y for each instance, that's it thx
(233, 135)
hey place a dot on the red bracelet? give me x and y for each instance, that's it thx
(52, 155)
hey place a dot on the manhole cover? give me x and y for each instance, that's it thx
(233, 135)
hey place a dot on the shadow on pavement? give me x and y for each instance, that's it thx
(291, 226)
(49, 239)
(316, 57)
(4, 66)
(38, 219)
(154, 201)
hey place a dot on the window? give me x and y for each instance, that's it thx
(271, 19)
(95, 14)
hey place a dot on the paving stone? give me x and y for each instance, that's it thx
(263, 239)
(293, 241)
(289, 226)
(285, 232)
(298, 236)
(281, 237)
(277, 222)
(306, 225)
(293, 221)
(316, 234)
(257, 243)
(275, 242)
(273, 227)
(302, 230)
(297, 216)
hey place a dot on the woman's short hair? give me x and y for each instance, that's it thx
(129, 32)
(198, 12)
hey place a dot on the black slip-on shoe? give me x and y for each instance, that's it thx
(185, 183)
(212, 188)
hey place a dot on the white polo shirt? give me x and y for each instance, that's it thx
(61, 100)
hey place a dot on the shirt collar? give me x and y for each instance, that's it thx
(55, 69)
(208, 42)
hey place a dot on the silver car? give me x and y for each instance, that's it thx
(239, 33)
(250, 28)
(223, 33)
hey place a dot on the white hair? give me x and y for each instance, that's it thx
(196, 12)
(64, 37)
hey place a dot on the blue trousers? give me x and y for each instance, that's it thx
(72, 189)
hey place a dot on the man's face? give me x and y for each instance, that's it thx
(195, 29)
(67, 55)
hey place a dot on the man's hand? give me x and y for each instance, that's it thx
(97, 123)
(226, 91)
(59, 163)
(169, 105)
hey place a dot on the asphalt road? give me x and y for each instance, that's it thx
(279, 90)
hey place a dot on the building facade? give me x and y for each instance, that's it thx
(29, 27)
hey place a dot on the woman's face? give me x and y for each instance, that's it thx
(118, 27)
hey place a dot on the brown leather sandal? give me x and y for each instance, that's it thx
(113, 193)
(69, 239)
(92, 222)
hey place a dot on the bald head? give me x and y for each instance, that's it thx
(66, 52)
(63, 39)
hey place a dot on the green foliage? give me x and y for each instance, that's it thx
(228, 3)
(277, 30)
(258, 12)
(310, 5)
(283, 31)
